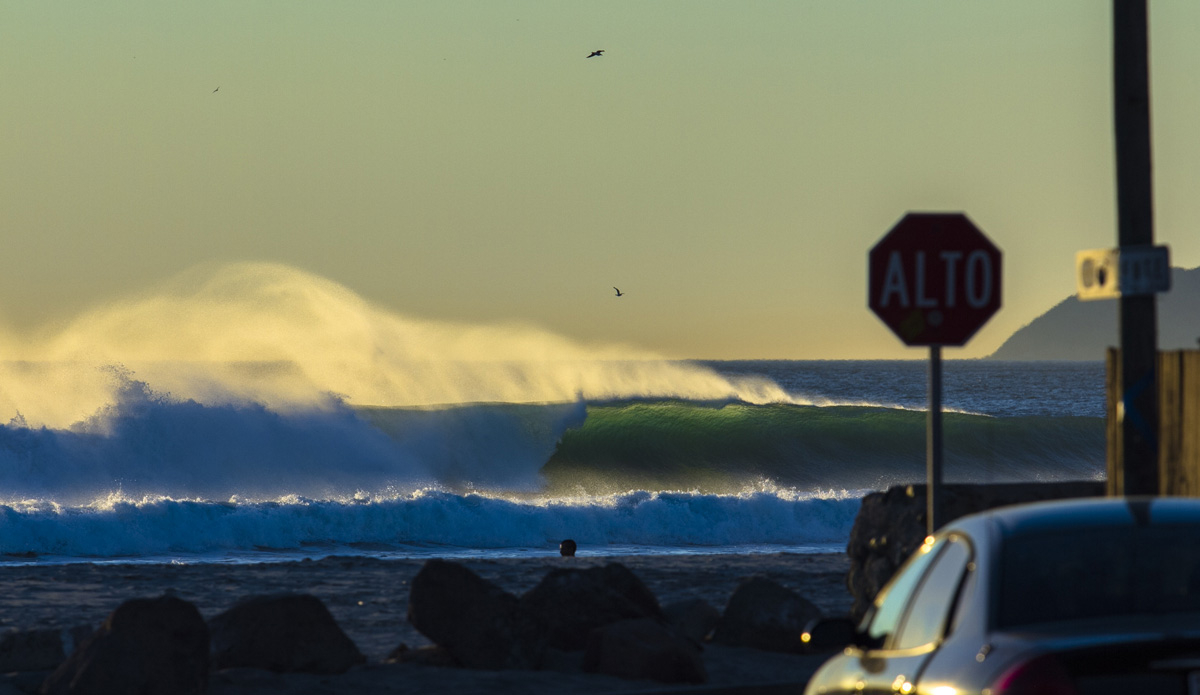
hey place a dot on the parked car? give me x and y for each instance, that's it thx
(1080, 597)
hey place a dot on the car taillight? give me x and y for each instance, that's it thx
(1043, 675)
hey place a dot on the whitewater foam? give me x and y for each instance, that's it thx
(163, 526)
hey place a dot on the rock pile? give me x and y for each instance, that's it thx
(605, 616)
(162, 646)
(598, 619)
(605, 612)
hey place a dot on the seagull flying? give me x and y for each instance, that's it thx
(619, 293)
(593, 54)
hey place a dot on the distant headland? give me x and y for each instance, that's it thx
(1075, 330)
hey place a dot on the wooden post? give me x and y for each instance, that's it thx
(1179, 413)
(1172, 476)
(1137, 412)
(1179, 422)
(1112, 425)
(1189, 422)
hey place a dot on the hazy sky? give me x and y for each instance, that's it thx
(728, 165)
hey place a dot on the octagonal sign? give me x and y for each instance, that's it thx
(934, 279)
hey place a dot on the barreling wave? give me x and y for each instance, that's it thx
(153, 475)
(147, 444)
(722, 446)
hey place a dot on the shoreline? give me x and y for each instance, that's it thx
(368, 598)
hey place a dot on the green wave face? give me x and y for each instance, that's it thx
(727, 447)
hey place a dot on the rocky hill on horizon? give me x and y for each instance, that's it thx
(1075, 330)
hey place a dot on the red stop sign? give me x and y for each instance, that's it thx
(934, 279)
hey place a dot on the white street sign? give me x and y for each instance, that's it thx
(1122, 272)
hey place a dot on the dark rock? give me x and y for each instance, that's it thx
(890, 525)
(569, 603)
(693, 618)
(643, 649)
(284, 633)
(146, 646)
(563, 662)
(74, 637)
(23, 682)
(431, 655)
(477, 622)
(567, 548)
(31, 650)
(39, 649)
(400, 653)
(765, 615)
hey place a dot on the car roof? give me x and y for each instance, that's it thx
(1035, 517)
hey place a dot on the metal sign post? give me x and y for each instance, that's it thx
(933, 443)
(934, 279)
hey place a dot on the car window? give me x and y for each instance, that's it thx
(965, 591)
(1090, 573)
(889, 605)
(930, 606)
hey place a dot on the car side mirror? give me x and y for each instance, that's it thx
(829, 634)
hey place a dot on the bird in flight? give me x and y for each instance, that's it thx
(215, 90)
(593, 54)
(619, 292)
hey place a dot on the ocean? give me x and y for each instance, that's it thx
(770, 456)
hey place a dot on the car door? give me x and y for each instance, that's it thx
(910, 632)
(848, 672)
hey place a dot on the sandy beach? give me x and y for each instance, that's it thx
(368, 597)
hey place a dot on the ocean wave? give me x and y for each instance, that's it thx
(118, 526)
(722, 445)
(147, 444)
(155, 475)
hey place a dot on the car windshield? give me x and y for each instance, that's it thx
(1090, 573)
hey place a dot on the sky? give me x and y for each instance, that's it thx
(727, 165)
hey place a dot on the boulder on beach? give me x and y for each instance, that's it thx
(150, 646)
(477, 622)
(569, 603)
(284, 633)
(694, 618)
(763, 614)
(643, 649)
(40, 649)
